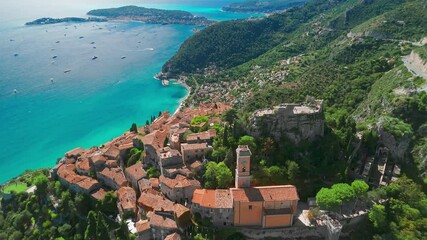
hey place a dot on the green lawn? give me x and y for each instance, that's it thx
(17, 187)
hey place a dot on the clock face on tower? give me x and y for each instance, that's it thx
(243, 163)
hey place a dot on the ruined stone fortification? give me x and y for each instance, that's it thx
(296, 122)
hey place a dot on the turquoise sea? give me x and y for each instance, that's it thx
(52, 111)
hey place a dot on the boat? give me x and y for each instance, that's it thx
(15, 91)
(92, 43)
(57, 41)
(67, 71)
(94, 57)
(165, 82)
(51, 80)
(94, 47)
(123, 57)
(81, 37)
(15, 54)
(54, 57)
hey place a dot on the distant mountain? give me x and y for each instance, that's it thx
(262, 6)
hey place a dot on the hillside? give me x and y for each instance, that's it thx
(352, 54)
(363, 60)
(261, 6)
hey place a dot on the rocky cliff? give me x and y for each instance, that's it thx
(296, 122)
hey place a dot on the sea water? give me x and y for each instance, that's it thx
(54, 96)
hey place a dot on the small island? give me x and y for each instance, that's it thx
(42, 21)
(262, 6)
(151, 15)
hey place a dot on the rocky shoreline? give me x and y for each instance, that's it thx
(47, 20)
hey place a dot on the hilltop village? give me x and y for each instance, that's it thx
(159, 192)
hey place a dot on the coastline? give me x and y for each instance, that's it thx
(188, 88)
(179, 108)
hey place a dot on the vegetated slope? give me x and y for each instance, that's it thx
(350, 56)
(262, 5)
(228, 44)
(341, 55)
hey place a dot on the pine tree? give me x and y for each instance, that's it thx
(134, 128)
(90, 232)
(101, 228)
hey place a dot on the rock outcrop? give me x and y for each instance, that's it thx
(296, 122)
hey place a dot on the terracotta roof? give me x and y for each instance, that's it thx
(154, 200)
(162, 222)
(173, 236)
(179, 181)
(154, 182)
(142, 226)
(179, 209)
(76, 152)
(112, 152)
(99, 194)
(136, 171)
(98, 159)
(83, 164)
(143, 184)
(127, 198)
(156, 139)
(268, 193)
(125, 146)
(66, 172)
(202, 136)
(196, 164)
(193, 146)
(69, 160)
(87, 183)
(115, 174)
(151, 198)
(219, 198)
(167, 152)
(111, 163)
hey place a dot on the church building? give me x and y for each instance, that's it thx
(265, 207)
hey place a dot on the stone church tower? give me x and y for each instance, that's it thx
(243, 167)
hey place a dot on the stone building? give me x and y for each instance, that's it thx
(178, 189)
(296, 122)
(127, 202)
(215, 204)
(202, 137)
(193, 152)
(135, 173)
(265, 207)
(169, 158)
(112, 177)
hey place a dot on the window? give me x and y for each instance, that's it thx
(243, 169)
(250, 207)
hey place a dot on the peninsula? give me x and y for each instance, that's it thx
(47, 20)
(151, 15)
(133, 13)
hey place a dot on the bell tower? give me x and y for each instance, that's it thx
(243, 167)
